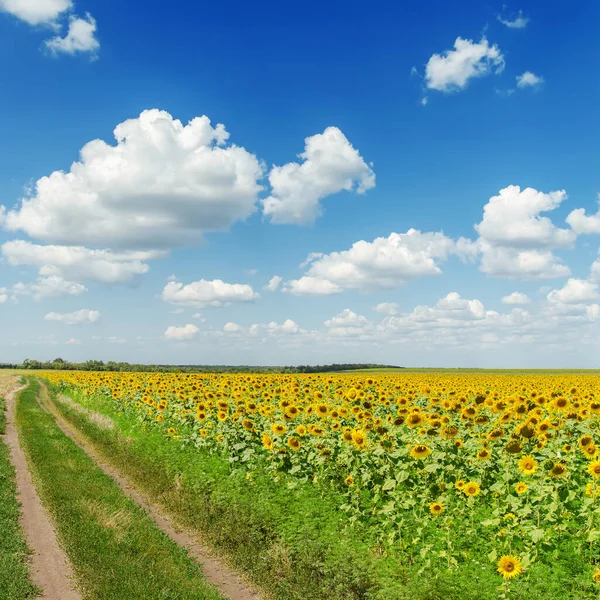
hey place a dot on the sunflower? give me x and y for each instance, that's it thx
(267, 442)
(301, 430)
(590, 451)
(484, 454)
(594, 469)
(436, 508)
(596, 576)
(471, 489)
(509, 567)
(420, 451)
(460, 484)
(528, 465)
(278, 428)
(294, 443)
(521, 487)
(247, 424)
(558, 470)
(359, 439)
(349, 480)
(171, 431)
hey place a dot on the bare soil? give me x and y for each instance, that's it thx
(50, 567)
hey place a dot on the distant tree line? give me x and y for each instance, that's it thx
(97, 365)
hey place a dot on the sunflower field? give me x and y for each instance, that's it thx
(500, 471)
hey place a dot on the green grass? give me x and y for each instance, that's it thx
(14, 574)
(116, 550)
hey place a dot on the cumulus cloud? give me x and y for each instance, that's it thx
(575, 291)
(79, 317)
(348, 324)
(516, 298)
(529, 79)
(384, 263)
(582, 223)
(80, 37)
(452, 70)
(386, 308)
(205, 293)
(513, 219)
(518, 21)
(3, 295)
(232, 327)
(274, 283)
(187, 332)
(78, 262)
(516, 241)
(36, 12)
(330, 164)
(46, 287)
(162, 184)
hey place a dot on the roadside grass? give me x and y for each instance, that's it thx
(116, 550)
(14, 572)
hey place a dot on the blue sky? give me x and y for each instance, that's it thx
(374, 141)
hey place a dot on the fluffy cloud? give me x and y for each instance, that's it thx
(73, 342)
(232, 328)
(45, 287)
(516, 241)
(3, 295)
(519, 21)
(386, 308)
(36, 12)
(274, 283)
(383, 263)
(348, 324)
(513, 219)
(582, 223)
(205, 293)
(186, 332)
(311, 286)
(575, 291)
(512, 263)
(529, 79)
(516, 298)
(77, 262)
(79, 38)
(330, 164)
(79, 317)
(452, 70)
(162, 185)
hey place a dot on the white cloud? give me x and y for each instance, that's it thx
(199, 317)
(348, 324)
(79, 317)
(77, 262)
(583, 224)
(231, 328)
(517, 22)
(162, 185)
(386, 308)
(513, 219)
(452, 70)
(330, 164)
(512, 263)
(311, 286)
(575, 291)
(3, 295)
(516, 298)
(73, 342)
(79, 38)
(113, 339)
(36, 12)
(595, 271)
(274, 283)
(529, 79)
(205, 293)
(383, 263)
(186, 332)
(45, 287)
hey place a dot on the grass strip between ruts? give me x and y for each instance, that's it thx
(14, 573)
(116, 550)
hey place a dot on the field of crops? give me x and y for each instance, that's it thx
(497, 474)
